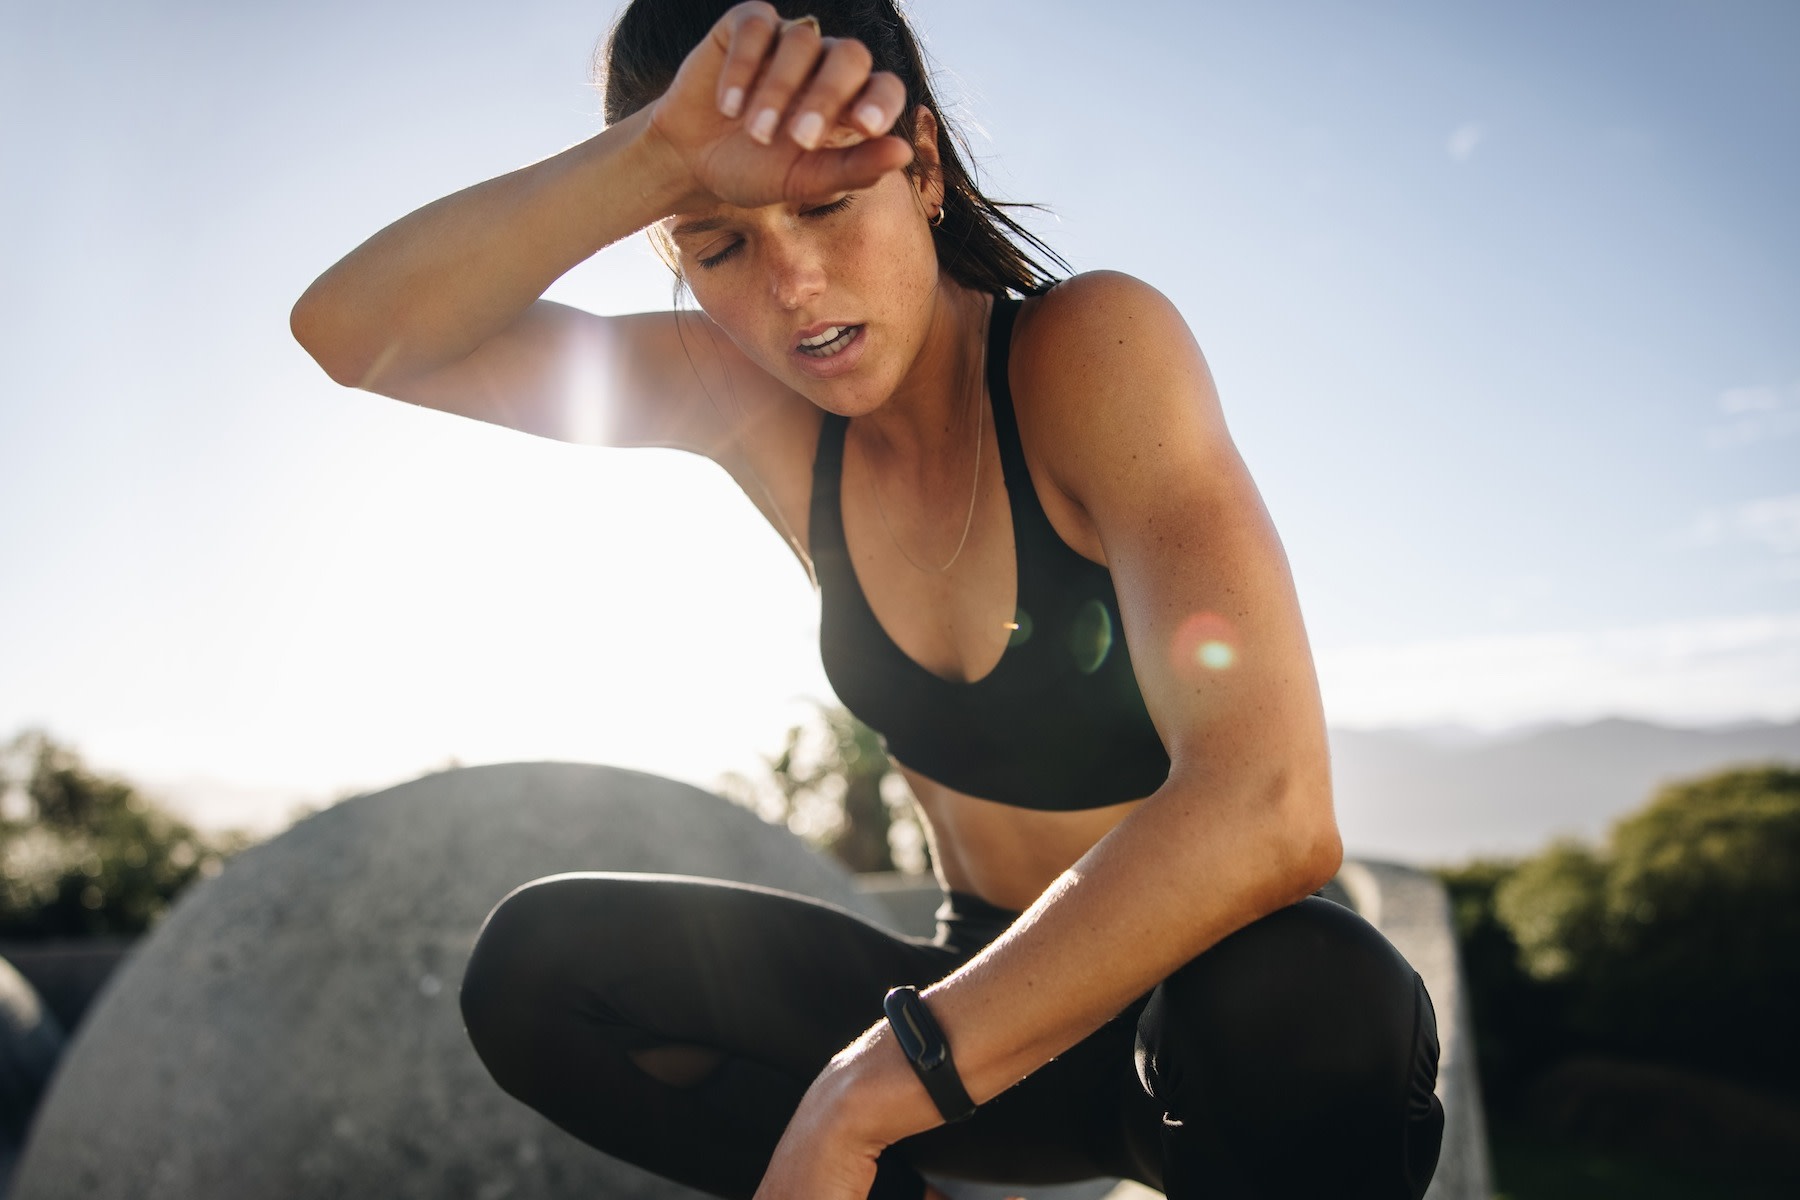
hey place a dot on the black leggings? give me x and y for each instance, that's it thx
(1296, 1058)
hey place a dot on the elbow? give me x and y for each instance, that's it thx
(1309, 847)
(317, 326)
(307, 322)
(1319, 856)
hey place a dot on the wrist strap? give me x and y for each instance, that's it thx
(926, 1048)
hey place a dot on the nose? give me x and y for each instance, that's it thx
(796, 275)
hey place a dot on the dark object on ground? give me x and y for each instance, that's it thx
(68, 974)
(1532, 1164)
(31, 1042)
(1667, 1113)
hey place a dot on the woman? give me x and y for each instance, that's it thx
(1046, 578)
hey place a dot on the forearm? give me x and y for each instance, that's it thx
(1181, 873)
(434, 285)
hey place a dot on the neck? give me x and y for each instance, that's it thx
(927, 420)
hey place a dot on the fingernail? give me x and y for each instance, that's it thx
(733, 103)
(809, 129)
(871, 118)
(762, 125)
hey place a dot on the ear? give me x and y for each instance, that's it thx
(928, 166)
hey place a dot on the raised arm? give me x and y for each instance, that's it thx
(442, 307)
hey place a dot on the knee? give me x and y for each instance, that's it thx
(1310, 1004)
(1306, 1027)
(495, 979)
(517, 967)
(505, 947)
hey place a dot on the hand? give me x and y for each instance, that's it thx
(820, 1155)
(865, 1099)
(765, 111)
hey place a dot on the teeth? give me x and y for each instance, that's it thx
(829, 335)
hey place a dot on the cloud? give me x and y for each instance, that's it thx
(1684, 672)
(1773, 522)
(1749, 399)
(1516, 596)
(1755, 414)
(1462, 143)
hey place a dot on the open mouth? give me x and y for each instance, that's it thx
(830, 342)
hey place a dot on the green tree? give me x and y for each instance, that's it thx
(82, 853)
(1519, 1019)
(1701, 918)
(832, 784)
(1675, 941)
(1554, 907)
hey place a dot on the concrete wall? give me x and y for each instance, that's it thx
(1412, 911)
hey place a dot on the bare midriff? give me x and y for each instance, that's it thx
(1004, 854)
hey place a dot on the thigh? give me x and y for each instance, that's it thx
(655, 959)
(577, 979)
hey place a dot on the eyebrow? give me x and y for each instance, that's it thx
(707, 225)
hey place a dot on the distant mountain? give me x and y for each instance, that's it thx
(1437, 794)
(1442, 795)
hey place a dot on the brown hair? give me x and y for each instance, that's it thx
(978, 244)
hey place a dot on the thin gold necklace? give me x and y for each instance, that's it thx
(974, 485)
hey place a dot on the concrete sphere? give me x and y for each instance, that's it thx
(292, 1027)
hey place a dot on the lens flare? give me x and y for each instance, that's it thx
(1204, 643)
(1091, 636)
(1019, 628)
(1217, 655)
(586, 410)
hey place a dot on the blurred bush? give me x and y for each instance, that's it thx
(85, 854)
(1696, 929)
(1677, 941)
(1519, 1021)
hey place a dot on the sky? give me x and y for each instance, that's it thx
(1503, 303)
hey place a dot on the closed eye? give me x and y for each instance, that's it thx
(714, 260)
(836, 206)
(823, 210)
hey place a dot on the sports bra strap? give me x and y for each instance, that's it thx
(1006, 426)
(1033, 535)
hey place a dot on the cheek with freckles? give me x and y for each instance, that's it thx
(893, 262)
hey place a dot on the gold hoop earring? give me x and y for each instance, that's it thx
(938, 221)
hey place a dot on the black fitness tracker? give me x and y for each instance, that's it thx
(928, 1051)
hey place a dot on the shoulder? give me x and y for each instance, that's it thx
(1109, 378)
(1075, 304)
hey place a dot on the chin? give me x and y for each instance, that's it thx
(845, 398)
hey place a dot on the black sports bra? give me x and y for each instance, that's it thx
(1060, 723)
